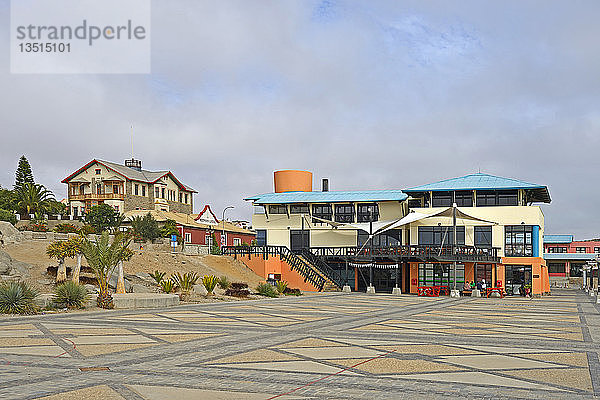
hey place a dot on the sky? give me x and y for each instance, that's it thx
(370, 94)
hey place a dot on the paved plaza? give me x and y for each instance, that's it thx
(321, 346)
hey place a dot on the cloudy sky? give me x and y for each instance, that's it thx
(371, 94)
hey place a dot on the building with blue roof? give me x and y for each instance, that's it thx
(499, 231)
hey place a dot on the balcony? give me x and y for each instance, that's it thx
(96, 196)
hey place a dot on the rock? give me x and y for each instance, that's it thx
(44, 300)
(8, 233)
(200, 289)
(45, 282)
(11, 267)
(91, 288)
(139, 288)
(112, 281)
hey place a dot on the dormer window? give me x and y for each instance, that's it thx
(98, 171)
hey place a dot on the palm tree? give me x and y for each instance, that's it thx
(32, 198)
(103, 256)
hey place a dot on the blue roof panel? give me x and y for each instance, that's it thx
(558, 238)
(328, 197)
(570, 256)
(475, 181)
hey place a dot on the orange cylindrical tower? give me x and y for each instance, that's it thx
(292, 181)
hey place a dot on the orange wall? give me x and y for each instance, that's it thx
(274, 265)
(539, 285)
(414, 277)
(292, 181)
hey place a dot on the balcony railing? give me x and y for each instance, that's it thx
(97, 196)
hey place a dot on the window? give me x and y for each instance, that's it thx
(261, 237)
(344, 213)
(441, 199)
(497, 198)
(576, 270)
(98, 188)
(81, 189)
(367, 212)
(596, 249)
(157, 193)
(393, 237)
(463, 198)
(518, 241)
(323, 211)
(556, 268)
(143, 190)
(186, 198)
(136, 189)
(237, 241)
(436, 235)
(116, 189)
(181, 197)
(415, 203)
(483, 236)
(208, 240)
(188, 237)
(98, 171)
(580, 249)
(277, 209)
(162, 192)
(299, 209)
(441, 275)
(557, 249)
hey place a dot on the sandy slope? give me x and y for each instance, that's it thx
(33, 252)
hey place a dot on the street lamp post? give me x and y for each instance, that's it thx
(223, 242)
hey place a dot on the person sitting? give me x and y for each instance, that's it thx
(466, 289)
(479, 285)
(473, 286)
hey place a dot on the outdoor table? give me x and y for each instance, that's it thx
(498, 290)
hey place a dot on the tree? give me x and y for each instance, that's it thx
(170, 228)
(103, 256)
(215, 249)
(8, 200)
(23, 174)
(8, 216)
(33, 198)
(59, 251)
(145, 228)
(103, 217)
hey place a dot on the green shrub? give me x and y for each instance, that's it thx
(37, 227)
(145, 228)
(224, 283)
(281, 286)
(8, 216)
(70, 295)
(215, 249)
(158, 276)
(209, 282)
(167, 286)
(185, 282)
(17, 298)
(66, 228)
(87, 230)
(265, 289)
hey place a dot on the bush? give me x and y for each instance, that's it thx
(281, 286)
(292, 292)
(237, 292)
(8, 216)
(103, 217)
(37, 227)
(185, 282)
(265, 289)
(87, 230)
(17, 298)
(209, 282)
(167, 286)
(145, 228)
(239, 285)
(66, 228)
(70, 295)
(224, 283)
(158, 276)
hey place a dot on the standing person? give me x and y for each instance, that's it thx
(483, 285)
(479, 286)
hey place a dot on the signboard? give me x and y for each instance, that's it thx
(173, 238)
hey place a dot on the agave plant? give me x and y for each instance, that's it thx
(103, 256)
(70, 295)
(224, 283)
(185, 282)
(167, 286)
(281, 286)
(158, 276)
(209, 282)
(265, 289)
(17, 298)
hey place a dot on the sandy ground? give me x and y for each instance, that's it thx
(33, 252)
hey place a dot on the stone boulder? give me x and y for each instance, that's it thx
(12, 269)
(8, 233)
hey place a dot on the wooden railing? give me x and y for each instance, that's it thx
(461, 252)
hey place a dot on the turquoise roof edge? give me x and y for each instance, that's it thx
(475, 181)
(328, 197)
(558, 239)
(570, 256)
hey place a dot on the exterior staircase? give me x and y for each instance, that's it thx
(334, 281)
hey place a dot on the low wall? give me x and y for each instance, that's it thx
(195, 249)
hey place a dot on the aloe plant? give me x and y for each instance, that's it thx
(209, 282)
(158, 276)
(185, 282)
(17, 298)
(281, 286)
(167, 286)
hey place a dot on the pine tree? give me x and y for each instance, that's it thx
(23, 174)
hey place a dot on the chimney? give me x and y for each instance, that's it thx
(134, 164)
(325, 187)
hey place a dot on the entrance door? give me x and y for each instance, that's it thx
(299, 239)
(517, 276)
